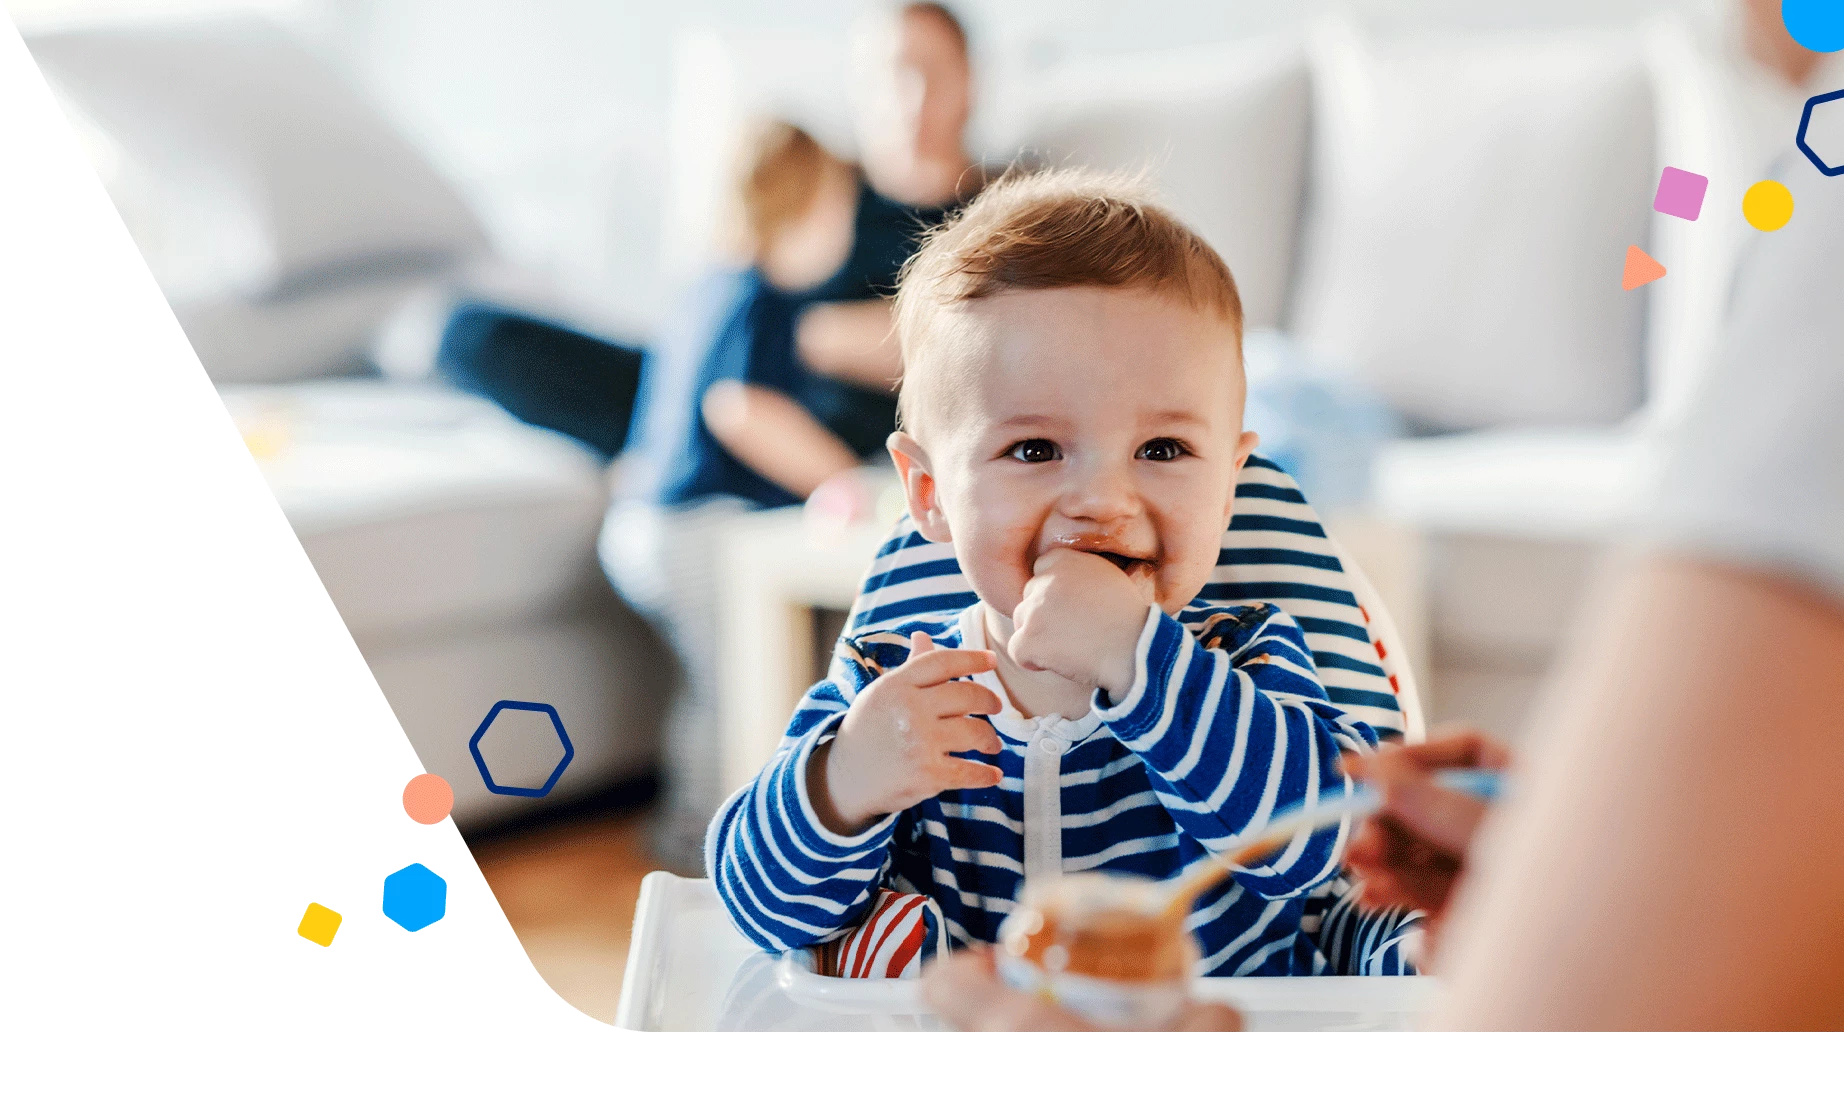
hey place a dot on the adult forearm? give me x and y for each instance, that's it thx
(1674, 858)
(854, 341)
(773, 436)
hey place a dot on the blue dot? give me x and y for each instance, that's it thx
(1815, 24)
(414, 897)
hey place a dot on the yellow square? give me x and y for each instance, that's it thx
(319, 924)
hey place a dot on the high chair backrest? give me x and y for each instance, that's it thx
(1391, 649)
(1275, 550)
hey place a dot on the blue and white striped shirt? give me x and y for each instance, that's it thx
(1227, 722)
(1275, 550)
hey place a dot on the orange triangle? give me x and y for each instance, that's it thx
(1640, 269)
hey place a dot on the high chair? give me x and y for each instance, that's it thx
(1276, 551)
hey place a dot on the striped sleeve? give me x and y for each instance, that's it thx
(1359, 943)
(786, 880)
(1229, 740)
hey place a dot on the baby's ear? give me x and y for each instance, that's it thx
(919, 488)
(1245, 447)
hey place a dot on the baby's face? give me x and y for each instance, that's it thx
(1107, 421)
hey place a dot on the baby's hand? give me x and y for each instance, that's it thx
(892, 750)
(1081, 618)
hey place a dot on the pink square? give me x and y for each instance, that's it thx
(1680, 193)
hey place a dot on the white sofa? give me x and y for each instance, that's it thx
(459, 546)
(289, 224)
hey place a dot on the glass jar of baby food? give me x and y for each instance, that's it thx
(1103, 945)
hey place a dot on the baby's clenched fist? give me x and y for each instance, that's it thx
(1081, 618)
(894, 748)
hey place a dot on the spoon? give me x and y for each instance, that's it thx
(1360, 801)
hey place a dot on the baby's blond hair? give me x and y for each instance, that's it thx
(1052, 230)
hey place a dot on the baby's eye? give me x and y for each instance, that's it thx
(1162, 450)
(1034, 451)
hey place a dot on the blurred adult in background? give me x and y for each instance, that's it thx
(912, 99)
(913, 94)
(1669, 857)
(822, 244)
(777, 375)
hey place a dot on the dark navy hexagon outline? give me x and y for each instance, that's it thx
(1805, 121)
(473, 746)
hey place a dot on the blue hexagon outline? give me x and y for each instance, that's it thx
(413, 874)
(473, 746)
(1805, 121)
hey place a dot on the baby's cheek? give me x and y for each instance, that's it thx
(1188, 566)
(997, 561)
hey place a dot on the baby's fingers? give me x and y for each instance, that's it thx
(968, 775)
(969, 735)
(952, 700)
(941, 665)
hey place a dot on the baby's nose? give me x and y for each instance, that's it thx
(1105, 494)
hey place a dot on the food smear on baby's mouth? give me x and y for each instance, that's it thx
(1108, 548)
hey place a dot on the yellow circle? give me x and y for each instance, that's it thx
(1768, 205)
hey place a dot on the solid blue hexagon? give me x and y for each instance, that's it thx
(414, 897)
(1805, 123)
(566, 752)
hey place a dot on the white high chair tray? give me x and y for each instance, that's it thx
(689, 970)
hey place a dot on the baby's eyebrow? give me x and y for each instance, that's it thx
(1027, 421)
(1176, 417)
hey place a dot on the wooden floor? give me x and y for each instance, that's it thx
(569, 891)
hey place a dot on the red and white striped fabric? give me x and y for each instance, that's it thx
(886, 944)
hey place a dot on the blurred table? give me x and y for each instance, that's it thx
(689, 970)
(774, 572)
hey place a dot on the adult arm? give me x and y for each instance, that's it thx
(1673, 858)
(770, 433)
(853, 341)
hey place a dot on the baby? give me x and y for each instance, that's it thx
(1072, 425)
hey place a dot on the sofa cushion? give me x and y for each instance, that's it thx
(268, 197)
(1543, 484)
(1473, 199)
(425, 509)
(1221, 130)
(305, 335)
